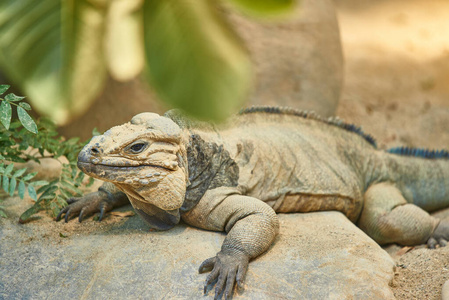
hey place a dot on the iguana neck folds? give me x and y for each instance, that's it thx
(209, 166)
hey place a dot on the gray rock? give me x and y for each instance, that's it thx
(298, 61)
(316, 256)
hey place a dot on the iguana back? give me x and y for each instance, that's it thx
(294, 163)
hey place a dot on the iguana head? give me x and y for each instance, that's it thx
(146, 159)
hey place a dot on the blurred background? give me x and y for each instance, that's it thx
(381, 64)
(97, 63)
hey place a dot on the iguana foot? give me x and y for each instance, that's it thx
(440, 235)
(101, 201)
(228, 268)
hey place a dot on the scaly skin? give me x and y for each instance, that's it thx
(264, 161)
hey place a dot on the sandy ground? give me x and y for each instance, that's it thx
(397, 88)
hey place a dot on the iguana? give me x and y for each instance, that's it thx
(266, 160)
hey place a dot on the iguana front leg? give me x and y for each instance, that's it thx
(251, 226)
(105, 199)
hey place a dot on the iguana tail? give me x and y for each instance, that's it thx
(421, 175)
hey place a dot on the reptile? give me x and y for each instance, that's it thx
(235, 177)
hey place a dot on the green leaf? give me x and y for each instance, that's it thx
(73, 141)
(5, 184)
(26, 120)
(25, 217)
(9, 169)
(90, 182)
(48, 191)
(265, 8)
(13, 98)
(74, 171)
(71, 187)
(29, 176)
(52, 50)
(95, 132)
(12, 186)
(39, 182)
(25, 105)
(62, 235)
(195, 61)
(4, 88)
(21, 189)
(5, 114)
(123, 42)
(19, 172)
(50, 196)
(79, 178)
(32, 192)
(2, 214)
(44, 188)
(61, 201)
(66, 194)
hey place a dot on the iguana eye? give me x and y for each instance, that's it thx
(137, 148)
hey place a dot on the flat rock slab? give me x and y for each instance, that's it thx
(316, 256)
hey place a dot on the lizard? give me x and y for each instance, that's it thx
(236, 177)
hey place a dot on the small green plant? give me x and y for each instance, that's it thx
(41, 135)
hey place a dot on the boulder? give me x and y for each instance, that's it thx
(316, 256)
(298, 60)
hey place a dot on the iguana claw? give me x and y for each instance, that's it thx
(227, 269)
(102, 210)
(83, 206)
(100, 201)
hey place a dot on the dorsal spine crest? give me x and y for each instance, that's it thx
(335, 121)
(420, 152)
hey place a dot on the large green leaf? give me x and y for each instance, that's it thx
(124, 39)
(53, 50)
(195, 61)
(265, 8)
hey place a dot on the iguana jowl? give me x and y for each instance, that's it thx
(265, 161)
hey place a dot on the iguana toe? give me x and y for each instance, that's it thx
(85, 206)
(101, 201)
(440, 235)
(227, 268)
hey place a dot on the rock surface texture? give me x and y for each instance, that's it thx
(316, 256)
(298, 62)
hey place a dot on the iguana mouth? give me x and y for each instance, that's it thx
(144, 174)
(82, 165)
